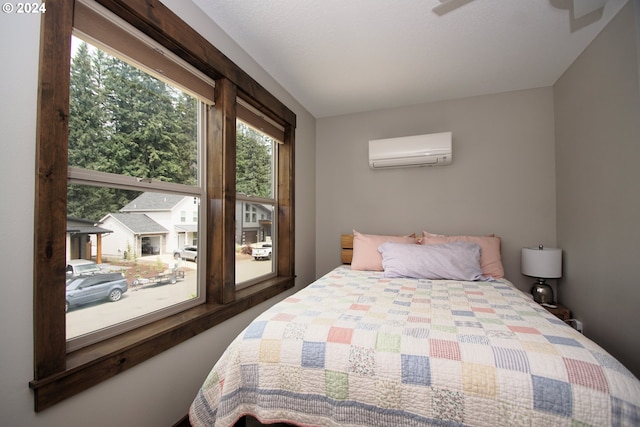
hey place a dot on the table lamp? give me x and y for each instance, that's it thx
(542, 263)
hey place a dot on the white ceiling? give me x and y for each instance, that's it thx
(346, 56)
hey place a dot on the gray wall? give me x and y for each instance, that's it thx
(502, 179)
(597, 106)
(159, 391)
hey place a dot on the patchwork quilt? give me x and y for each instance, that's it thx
(357, 349)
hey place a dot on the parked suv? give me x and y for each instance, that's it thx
(190, 253)
(86, 289)
(77, 267)
(261, 251)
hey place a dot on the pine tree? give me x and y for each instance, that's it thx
(124, 121)
(253, 162)
(86, 135)
(85, 113)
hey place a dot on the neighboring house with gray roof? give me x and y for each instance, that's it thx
(151, 224)
(158, 223)
(154, 202)
(253, 223)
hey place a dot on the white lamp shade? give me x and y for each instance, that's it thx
(545, 263)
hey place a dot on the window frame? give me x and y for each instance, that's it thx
(58, 374)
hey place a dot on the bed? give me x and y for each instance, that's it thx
(360, 348)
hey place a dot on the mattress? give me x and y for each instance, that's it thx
(357, 349)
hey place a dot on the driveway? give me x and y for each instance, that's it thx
(147, 298)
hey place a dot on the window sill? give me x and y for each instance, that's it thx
(91, 365)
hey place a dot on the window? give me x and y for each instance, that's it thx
(221, 95)
(134, 152)
(256, 149)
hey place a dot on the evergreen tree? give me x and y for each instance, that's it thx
(149, 138)
(253, 162)
(85, 113)
(86, 135)
(124, 121)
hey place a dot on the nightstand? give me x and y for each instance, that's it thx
(561, 312)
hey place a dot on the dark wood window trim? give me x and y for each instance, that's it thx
(58, 374)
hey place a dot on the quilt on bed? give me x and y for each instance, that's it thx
(356, 349)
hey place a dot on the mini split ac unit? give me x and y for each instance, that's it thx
(411, 151)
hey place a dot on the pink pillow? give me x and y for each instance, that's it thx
(490, 259)
(365, 249)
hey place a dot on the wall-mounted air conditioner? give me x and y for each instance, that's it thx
(410, 151)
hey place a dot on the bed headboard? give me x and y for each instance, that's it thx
(346, 245)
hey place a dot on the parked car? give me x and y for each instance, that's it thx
(77, 267)
(86, 289)
(189, 253)
(262, 251)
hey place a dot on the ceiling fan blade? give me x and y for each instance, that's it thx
(449, 5)
(584, 7)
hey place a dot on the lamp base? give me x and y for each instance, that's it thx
(542, 293)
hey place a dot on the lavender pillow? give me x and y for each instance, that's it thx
(454, 261)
